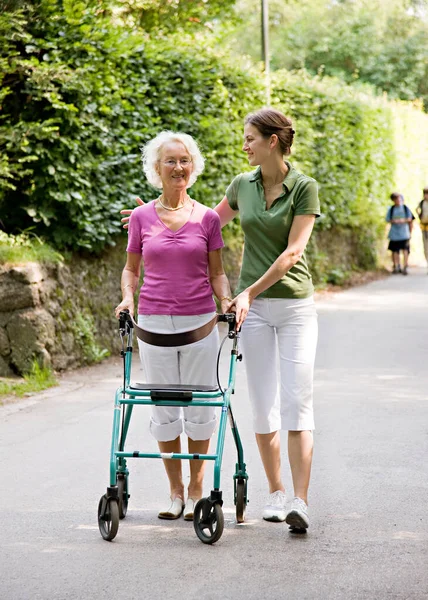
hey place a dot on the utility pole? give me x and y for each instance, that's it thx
(265, 47)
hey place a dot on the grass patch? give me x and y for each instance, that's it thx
(37, 380)
(26, 247)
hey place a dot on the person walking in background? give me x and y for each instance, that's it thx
(422, 212)
(401, 219)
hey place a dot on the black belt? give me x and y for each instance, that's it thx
(175, 339)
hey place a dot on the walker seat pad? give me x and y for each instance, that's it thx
(172, 391)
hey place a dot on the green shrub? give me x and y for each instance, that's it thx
(345, 140)
(359, 148)
(81, 96)
(84, 332)
(337, 276)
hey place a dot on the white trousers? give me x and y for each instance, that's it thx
(281, 331)
(194, 364)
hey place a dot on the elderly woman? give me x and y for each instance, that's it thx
(179, 241)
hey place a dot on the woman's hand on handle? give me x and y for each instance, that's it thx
(241, 305)
(126, 304)
(128, 211)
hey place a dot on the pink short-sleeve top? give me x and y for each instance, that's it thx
(176, 278)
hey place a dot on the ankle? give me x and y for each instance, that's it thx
(195, 492)
(277, 487)
(177, 493)
(302, 497)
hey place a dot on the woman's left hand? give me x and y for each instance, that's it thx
(126, 304)
(241, 305)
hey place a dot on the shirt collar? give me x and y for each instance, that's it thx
(289, 180)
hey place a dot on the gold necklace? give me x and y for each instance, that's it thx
(170, 207)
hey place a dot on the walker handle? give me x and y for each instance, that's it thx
(124, 318)
(230, 319)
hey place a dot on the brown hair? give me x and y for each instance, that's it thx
(395, 195)
(270, 121)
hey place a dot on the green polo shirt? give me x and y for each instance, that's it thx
(266, 231)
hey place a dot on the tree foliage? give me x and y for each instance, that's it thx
(380, 42)
(166, 16)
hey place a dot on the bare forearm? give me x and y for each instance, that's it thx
(224, 211)
(220, 286)
(300, 233)
(129, 283)
(279, 268)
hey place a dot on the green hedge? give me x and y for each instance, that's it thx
(81, 97)
(359, 148)
(346, 141)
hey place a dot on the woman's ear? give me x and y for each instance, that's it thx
(273, 141)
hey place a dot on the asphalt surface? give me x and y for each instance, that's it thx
(368, 537)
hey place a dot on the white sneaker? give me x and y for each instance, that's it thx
(297, 516)
(274, 510)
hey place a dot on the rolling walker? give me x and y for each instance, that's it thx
(208, 519)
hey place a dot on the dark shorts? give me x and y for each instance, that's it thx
(396, 246)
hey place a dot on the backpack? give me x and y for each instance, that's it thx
(422, 219)
(408, 213)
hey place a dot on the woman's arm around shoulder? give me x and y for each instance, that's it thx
(224, 211)
(129, 211)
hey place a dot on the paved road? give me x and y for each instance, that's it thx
(369, 497)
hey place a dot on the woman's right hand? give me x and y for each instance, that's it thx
(241, 305)
(126, 304)
(128, 211)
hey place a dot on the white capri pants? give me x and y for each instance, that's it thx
(284, 331)
(194, 364)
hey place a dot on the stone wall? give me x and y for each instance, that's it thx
(60, 315)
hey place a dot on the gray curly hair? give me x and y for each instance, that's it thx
(151, 155)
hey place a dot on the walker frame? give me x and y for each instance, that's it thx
(208, 518)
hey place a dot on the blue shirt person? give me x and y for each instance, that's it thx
(401, 218)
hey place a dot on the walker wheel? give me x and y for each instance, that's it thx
(241, 500)
(122, 492)
(108, 517)
(208, 521)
